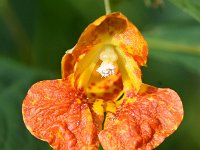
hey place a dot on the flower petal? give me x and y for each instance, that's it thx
(145, 123)
(116, 30)
(67, 62)
(54, 112)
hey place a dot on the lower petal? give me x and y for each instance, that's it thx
(53, 112)
(144, 123)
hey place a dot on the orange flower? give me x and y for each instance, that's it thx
(101, 75)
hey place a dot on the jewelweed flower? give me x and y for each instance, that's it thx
(101, 75)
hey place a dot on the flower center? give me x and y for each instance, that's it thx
(108, 58)
(105, 70)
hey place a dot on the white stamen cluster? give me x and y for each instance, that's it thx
(108, 57)
(106, 69)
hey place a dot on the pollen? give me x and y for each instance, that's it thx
(108, 58)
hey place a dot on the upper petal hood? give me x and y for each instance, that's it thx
(116, 30)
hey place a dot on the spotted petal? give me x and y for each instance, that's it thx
(143, 124)
(53, 112)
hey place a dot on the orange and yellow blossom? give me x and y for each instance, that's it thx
(102, 74)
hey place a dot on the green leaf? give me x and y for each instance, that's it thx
(172, 43)
(190, 6)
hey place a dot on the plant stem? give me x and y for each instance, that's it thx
(107, 6)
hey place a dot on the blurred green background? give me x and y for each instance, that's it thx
(34, 35)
